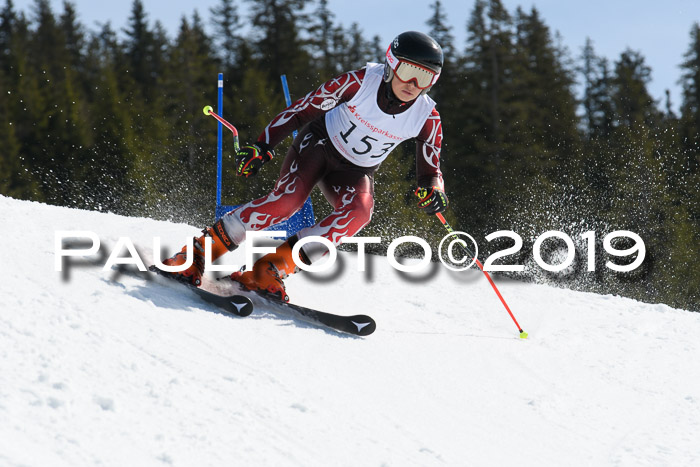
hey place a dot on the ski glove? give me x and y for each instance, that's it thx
(251, 158)
(432, 199)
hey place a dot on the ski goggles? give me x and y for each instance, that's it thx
(406, 71)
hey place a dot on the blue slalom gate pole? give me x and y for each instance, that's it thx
(219, 145)
(303, 218)
(287, 97)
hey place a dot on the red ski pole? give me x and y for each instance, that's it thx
(523, 334)
(208, 110)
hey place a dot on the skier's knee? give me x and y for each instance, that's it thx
(364, 210)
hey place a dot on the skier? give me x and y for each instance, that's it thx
(349, 126)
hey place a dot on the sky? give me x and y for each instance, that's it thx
(659, 30)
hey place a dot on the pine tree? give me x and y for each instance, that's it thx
(597, 100)
(445, 91)
(16, 178)
(278, 44)
(475, 119)
(541, 97)
(109, 171)
(358, 52)
(597, 130)
(340, 46)
(441, 31)
(188, 149)
(643, 199)
(539, 157)
(633, 105)
(687, 175)
(74, 98)
(74, 37)
(488, 60)
(227, 27)
(8, 21)
(141, 84)
(321, 32)
(377, 50)
(145, 48)
(14, 181)
(51, 94)
(448, 94)
(690, 107)
(192, 68)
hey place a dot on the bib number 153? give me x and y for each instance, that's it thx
(366, 144)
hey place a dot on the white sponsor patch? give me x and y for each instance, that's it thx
(328, 104)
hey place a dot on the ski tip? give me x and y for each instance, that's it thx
(207, 110)
(364, 324)
(243, 305)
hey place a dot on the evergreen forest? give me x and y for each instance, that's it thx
(536, 137)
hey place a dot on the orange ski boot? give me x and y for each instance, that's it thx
(269, 272)
(221, 244)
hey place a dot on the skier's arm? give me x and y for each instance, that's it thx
(312, 106)
(428, 144)
(431, 188)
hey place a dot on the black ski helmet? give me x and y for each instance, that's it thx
(415, 47)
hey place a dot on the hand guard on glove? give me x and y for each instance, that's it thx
(251, 158)
(432, 199)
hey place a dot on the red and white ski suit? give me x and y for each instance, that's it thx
(339, 149)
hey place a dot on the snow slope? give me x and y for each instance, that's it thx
(103, 368)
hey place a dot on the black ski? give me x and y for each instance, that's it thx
(358, 325)
(236, 304)
(242, 302)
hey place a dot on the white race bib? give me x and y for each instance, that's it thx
(363, 133)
